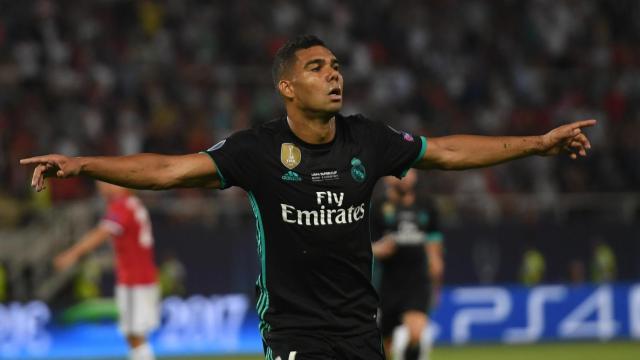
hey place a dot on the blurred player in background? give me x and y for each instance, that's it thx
(409, 248)
(309, 175)
(127, 222)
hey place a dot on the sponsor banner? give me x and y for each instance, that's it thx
(542, 313)
(225, 324)
(217, 324)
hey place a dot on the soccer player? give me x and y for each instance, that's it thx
(309, 175)
(127, 222)
(409, 248)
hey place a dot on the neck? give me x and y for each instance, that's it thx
(313, 130)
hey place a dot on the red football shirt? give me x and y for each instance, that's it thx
(128, 221)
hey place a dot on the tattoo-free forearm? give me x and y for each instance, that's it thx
(140, 171)
(458, 152)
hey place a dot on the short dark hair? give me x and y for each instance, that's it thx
(286, 55)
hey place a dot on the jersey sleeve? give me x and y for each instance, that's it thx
(397, 151)
(234, 160)
(114, 220)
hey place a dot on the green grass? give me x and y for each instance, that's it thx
(550, 351)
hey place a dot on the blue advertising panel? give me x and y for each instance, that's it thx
(220, 324)
(543, 313)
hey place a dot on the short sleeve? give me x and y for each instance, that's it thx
(114, 220)
(397, 150)
(234, 161)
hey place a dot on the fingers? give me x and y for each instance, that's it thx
(583, 141)
(37, 180)
(35, 160)
(584, 123)
(578, 145)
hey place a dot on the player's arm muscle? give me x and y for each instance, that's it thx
(154, 171)
(139, 171)
(459, 152)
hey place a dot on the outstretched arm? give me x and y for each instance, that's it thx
(91, 240)
(140, 171)
(459, 152)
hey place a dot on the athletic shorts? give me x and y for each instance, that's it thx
(395, 304)
(297, 346)
(138, 308)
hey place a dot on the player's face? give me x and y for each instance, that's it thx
(316, 80)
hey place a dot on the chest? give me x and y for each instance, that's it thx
(334, 177)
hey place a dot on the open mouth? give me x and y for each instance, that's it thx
(335, 94)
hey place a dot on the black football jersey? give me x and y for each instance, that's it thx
(412, 227)
(312, 208)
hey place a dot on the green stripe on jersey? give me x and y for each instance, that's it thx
(263, 300)
(423, 149)
(223, 182)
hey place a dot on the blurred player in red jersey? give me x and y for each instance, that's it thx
(127, 222)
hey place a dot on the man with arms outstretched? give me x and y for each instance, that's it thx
(309, 176)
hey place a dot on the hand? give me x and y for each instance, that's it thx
(384, 247)
(567, 138)
(64, 261)
(51, 166)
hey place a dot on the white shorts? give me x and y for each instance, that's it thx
(138, 308)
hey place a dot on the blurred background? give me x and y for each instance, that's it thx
(112, 77)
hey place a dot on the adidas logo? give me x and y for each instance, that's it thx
(291, 176)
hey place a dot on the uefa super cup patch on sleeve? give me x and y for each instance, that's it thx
(407, 137)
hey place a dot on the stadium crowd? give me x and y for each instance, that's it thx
(119, 77)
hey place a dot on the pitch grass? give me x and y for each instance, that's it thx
(548, 351)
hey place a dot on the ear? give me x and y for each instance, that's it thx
(286, 88)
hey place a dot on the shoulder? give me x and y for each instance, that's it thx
(360, 126)
(118, 210)
(255, 135)
(358, 121)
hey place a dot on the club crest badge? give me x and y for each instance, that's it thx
(290, 155)
(357, 170)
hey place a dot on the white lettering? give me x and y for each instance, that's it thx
(197, 320)
(338, 199)
(23, 329)
(359, 213)
(323, 216)
(600, 303)
(308, 214)
(535, 314)
(500, 306)
(330, 197)
(350, 214)
(285, 213)
(329, 212)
